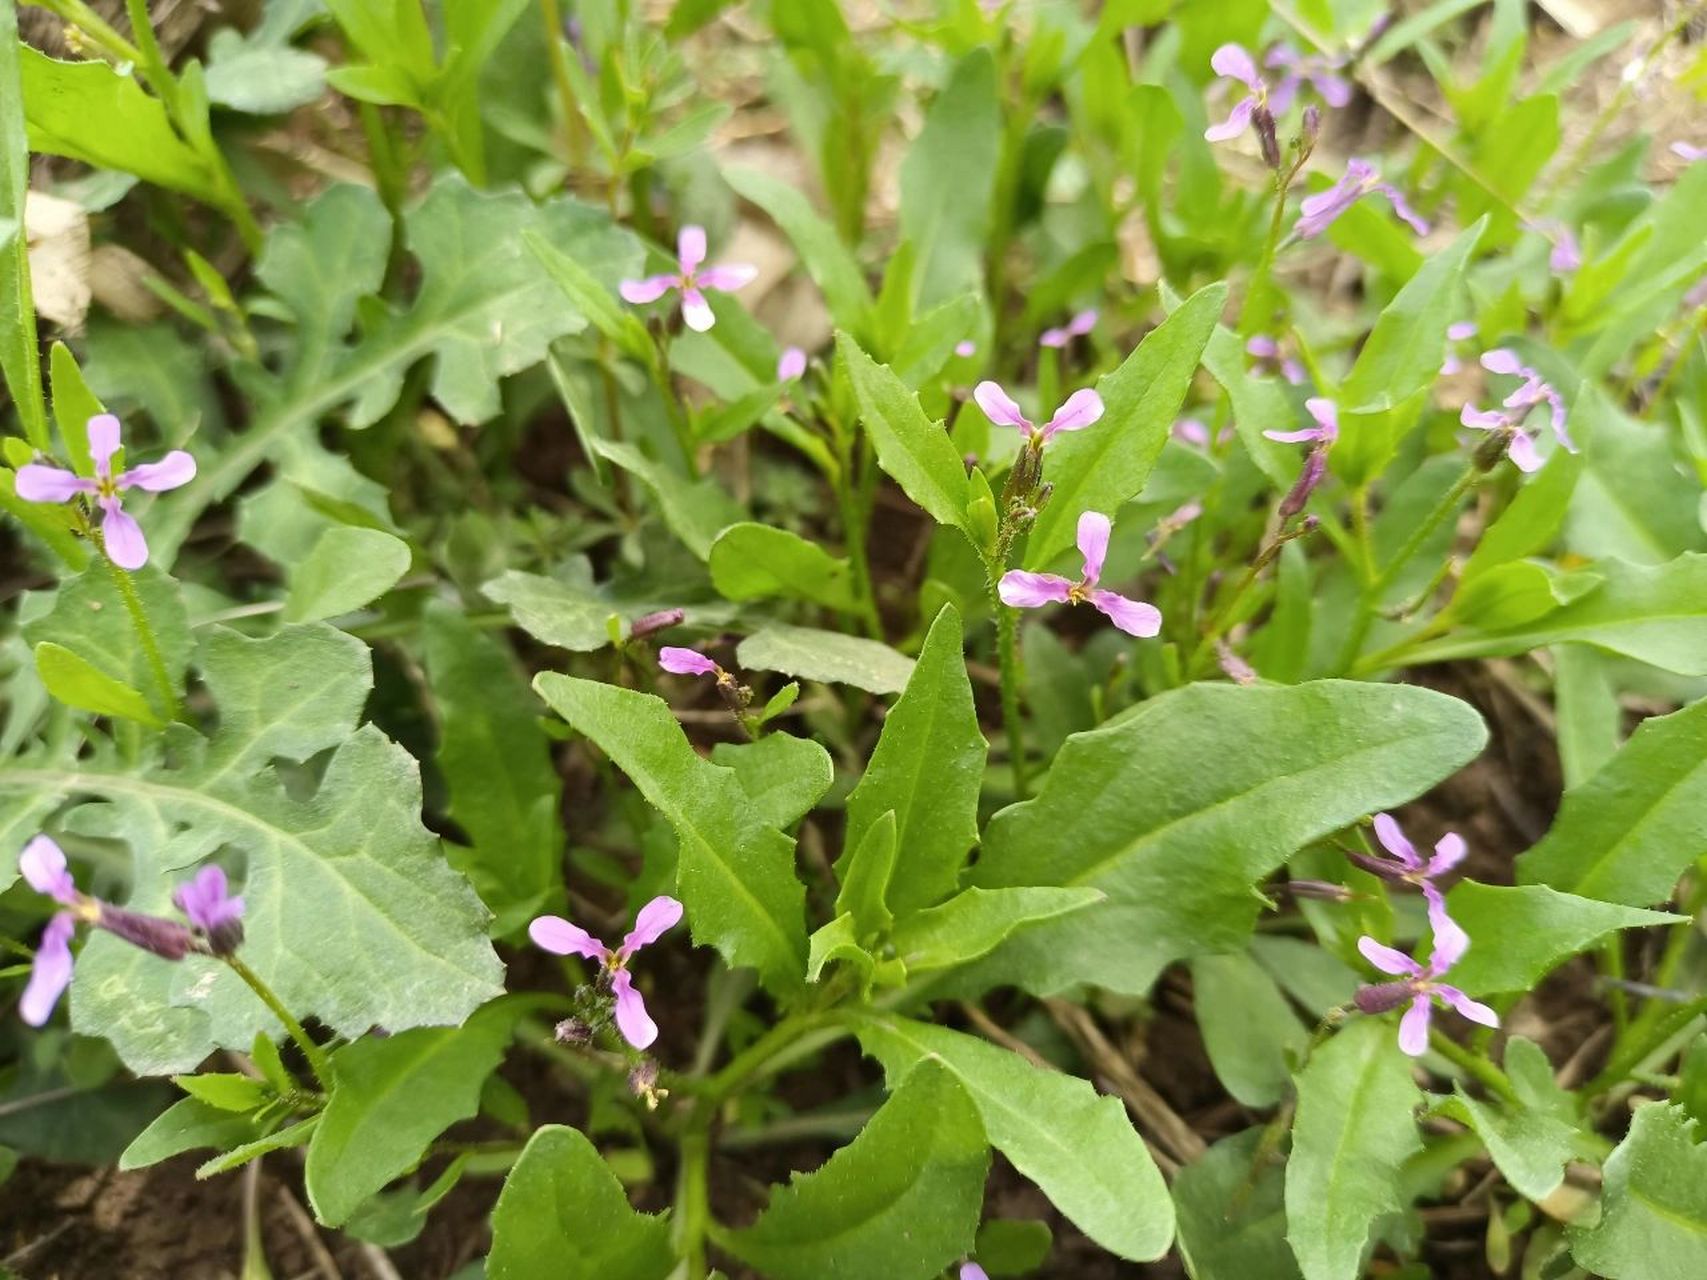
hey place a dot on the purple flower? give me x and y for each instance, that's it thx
(1077, 327)
(1318, 212)
(687, 662)
(1324, 433)
(1463, 331)
(1299, 69)
(692, 278)
(660, 620)
(1407, 866)
(1081, 409)
(972, 1271)
(966, 348)
(1191, 431)
(791, 364)
(1231, 61)
(1033, 590)
(1265, 351)
(120, 533)
(209, 905)
(1566, 254)
(1508, 421)
(1688, 152)
(1419, 985)
(656, 918)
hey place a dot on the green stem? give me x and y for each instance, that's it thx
(145, 636)
(1472, 1064)
(1643, 1043)
(693, 1205)
(856, 531)
(559, 60)
(318, 1062)
(1007, 656)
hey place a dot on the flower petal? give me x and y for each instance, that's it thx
(43, 866)
(126, 547)
(1335, 90)
(1294, 437)
(1134, 617)
(1053, 338)
(685, 662)
(965, 348)
(1481, 419)
(791, 364)
(1462, 331)
(1413, 1027)
(1449, 851)
(654, 920)
(1450, 940)
(1235, 124)
(206, 901)
(1521, 450)
(1083, 408)
(696, 311)
(1387, 959)
(972, 1271)
(1094, 528)
(1474, 1010)
(51, 972)
(727, 276)
(1403, 208)
(1393, 840)
(104, 441)
(175, 469)
(1233, 61)
(1502, 360)
(1262, 347)
(1025, 590)
(1191, 431)
(557, 935)
(632, 1019)
(1083, 322)
(647, 289)
(37, 483)
(690, 248)
(999, 407)
(1327, 416)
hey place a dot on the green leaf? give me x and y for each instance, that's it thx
(827, 260)
(79, 683)
(353, 916)
(563, 1216)
(570, 611)
(910, 447)
(90, 619)
(927, 767)
(1257, 402)
(783, 776)
(20, 356)
(261, 78)
(392, 1096)
(1352, 1133)
(91, 112)
(734, 871)
(1013, 1246)
(1075, 1144)
(1105, 465)
(1529, 1147)
(591, 297)
(948, 178)
(1653, 1220)
(1169, 812)
(696, 511)
(755, 561)
(827, 656)
(496, 762)
(866, 873)
(1249, 1030)
(226, 1090)
(1528, 930)
(1652, 614)
(1232, 1216)
(290, 1136)
(838, 940)
(188, 1125)
(348, 568)
(1637, 824)
(975, 922)
(73, 405)
(900, 1202)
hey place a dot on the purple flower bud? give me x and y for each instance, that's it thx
(687, 662)
(1233, 666)
(1263, 120)
(1315, 467)
(1382, 996)
(573, 1031)
(649, 623)
(165, 938)
(1312, 129)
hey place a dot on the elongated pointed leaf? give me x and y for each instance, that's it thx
(755, 561)
(735, 872)
(948, 178)
(79, 683)
(1232, 1219)
(910, 447)
(826, 259)
(975, 922)
(348, 568)
(866, 873)
(1528, 930)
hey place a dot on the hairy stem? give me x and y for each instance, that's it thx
(1472, 1064)
(145, 636)
(318, 1062)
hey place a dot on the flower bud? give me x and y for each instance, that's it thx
(165, 938)
(1263, 119)
(1233, 666)
(1311, 131)
(224, 939)
(1491, 450)
(1315, 466)
(1382, 996)
(662, 620)
(573, 1031)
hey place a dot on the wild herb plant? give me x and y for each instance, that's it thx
(493, 561)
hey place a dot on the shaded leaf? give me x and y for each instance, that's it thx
(828, 656)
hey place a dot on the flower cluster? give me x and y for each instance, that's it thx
(215, 915)
(1507, 422)
(656, 918)
(691, 280)
(1420, 985)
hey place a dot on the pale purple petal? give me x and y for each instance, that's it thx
(1523, 453)
(1335, 90)
(965, 348)
(43, 866)
(1474, 1010)
(1327, 416)
(1393, 840)
(727, 276)
(696, 311)
(1402, 207)
(205, 901)
(791, 365)
(1450, 940)
(1481, 419)
(632, 1019)
(1449, 851)
(1231, 60)
(690, 248)
(999, 407)
(1083, 322)
(557, 935)
(1235, 124)
(685, 662)
(175, 469)
(1556, 416)
(648, 289)
(37, 483)
(1451, 365)
(1025, 590)
(104, 441)
(51, 972)
(1317, 212)
(1262, 347)
(1294, 437)
(1462, 331)
(1094, 528)
(1191, 431)
(1387, 959)
(126, 547)
(1083, 408)
(1054, 338)
(1292, 371)
(1502, 360)
(655, 919)
(1567, 254)
(972, 1271)
(1281, 95)
(1413, 1027)
(1134, 617)
(1688, 151)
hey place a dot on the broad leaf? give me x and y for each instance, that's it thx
(1171, 813)
(1249, 1029)
(348, 568)
(927, 768)
(1529, 1147)
(755, 561)
(563, 1216)
(734, 871)
(696, 511)
(572, 613)
(901, 1202)
(1653, 1216)
(829, 656)
(783, 776)
(79, 683)
(1527, 931)
(1232, 1219)
(910, 447)
(1352, 1133)
(948, 177)
(89, 618)
(1075, 1144)
(973, 923)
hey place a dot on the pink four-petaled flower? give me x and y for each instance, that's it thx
(1324, 433)
(1531, 394)
(1233, 62)
(120, 533)
(656, 918)
(1420, 985)
(1407, 865)
(691, 280)
(1298, 69)
(1318, 212)
(1025, 590)
(1081, 409)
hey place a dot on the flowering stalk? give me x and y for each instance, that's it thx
(318, 1063)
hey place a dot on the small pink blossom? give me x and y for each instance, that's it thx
(1232, 62)
(1508, 421)
(1077, 327)
(1024, 590)
(1419, 985)
(1406, 865)
(1081, 409)
(791, 364)
(657, 917)
(691, 280)
(1325, 432)
(687, 662)
(1267, 354)
(1566, 254)
(1316, 70)
(1318, 212)
(966, 348)
(1463, 331)
(972, 1271)
(1688, 152)
(120, 533)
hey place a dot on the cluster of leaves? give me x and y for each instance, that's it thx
(452, 491)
